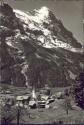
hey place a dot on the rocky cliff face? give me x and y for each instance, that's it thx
(36, 49)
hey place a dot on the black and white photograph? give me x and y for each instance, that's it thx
(41, 62)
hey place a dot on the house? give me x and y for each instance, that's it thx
(60, 95)
(44, 101)
(27, 100)
(41, 104)
(23, 97)
(33, 103)
(23, 100)
(44, 97)
(50, 100)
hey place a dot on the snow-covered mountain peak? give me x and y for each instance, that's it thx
(43, 9)
(35, 46)
(48, 37)
(42, 13)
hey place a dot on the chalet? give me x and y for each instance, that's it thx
(22, 100)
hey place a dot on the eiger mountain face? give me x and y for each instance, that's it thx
(36, 49)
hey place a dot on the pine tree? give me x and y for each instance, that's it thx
(79, 90)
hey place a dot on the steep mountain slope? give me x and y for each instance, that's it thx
(36, 49)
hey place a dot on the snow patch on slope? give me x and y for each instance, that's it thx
(22, 15)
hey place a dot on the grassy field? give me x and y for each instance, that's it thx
(52, 115)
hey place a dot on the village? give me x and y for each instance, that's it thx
(32, 100)
(36, 99)
(40, 104)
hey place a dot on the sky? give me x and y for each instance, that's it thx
(71, 12)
